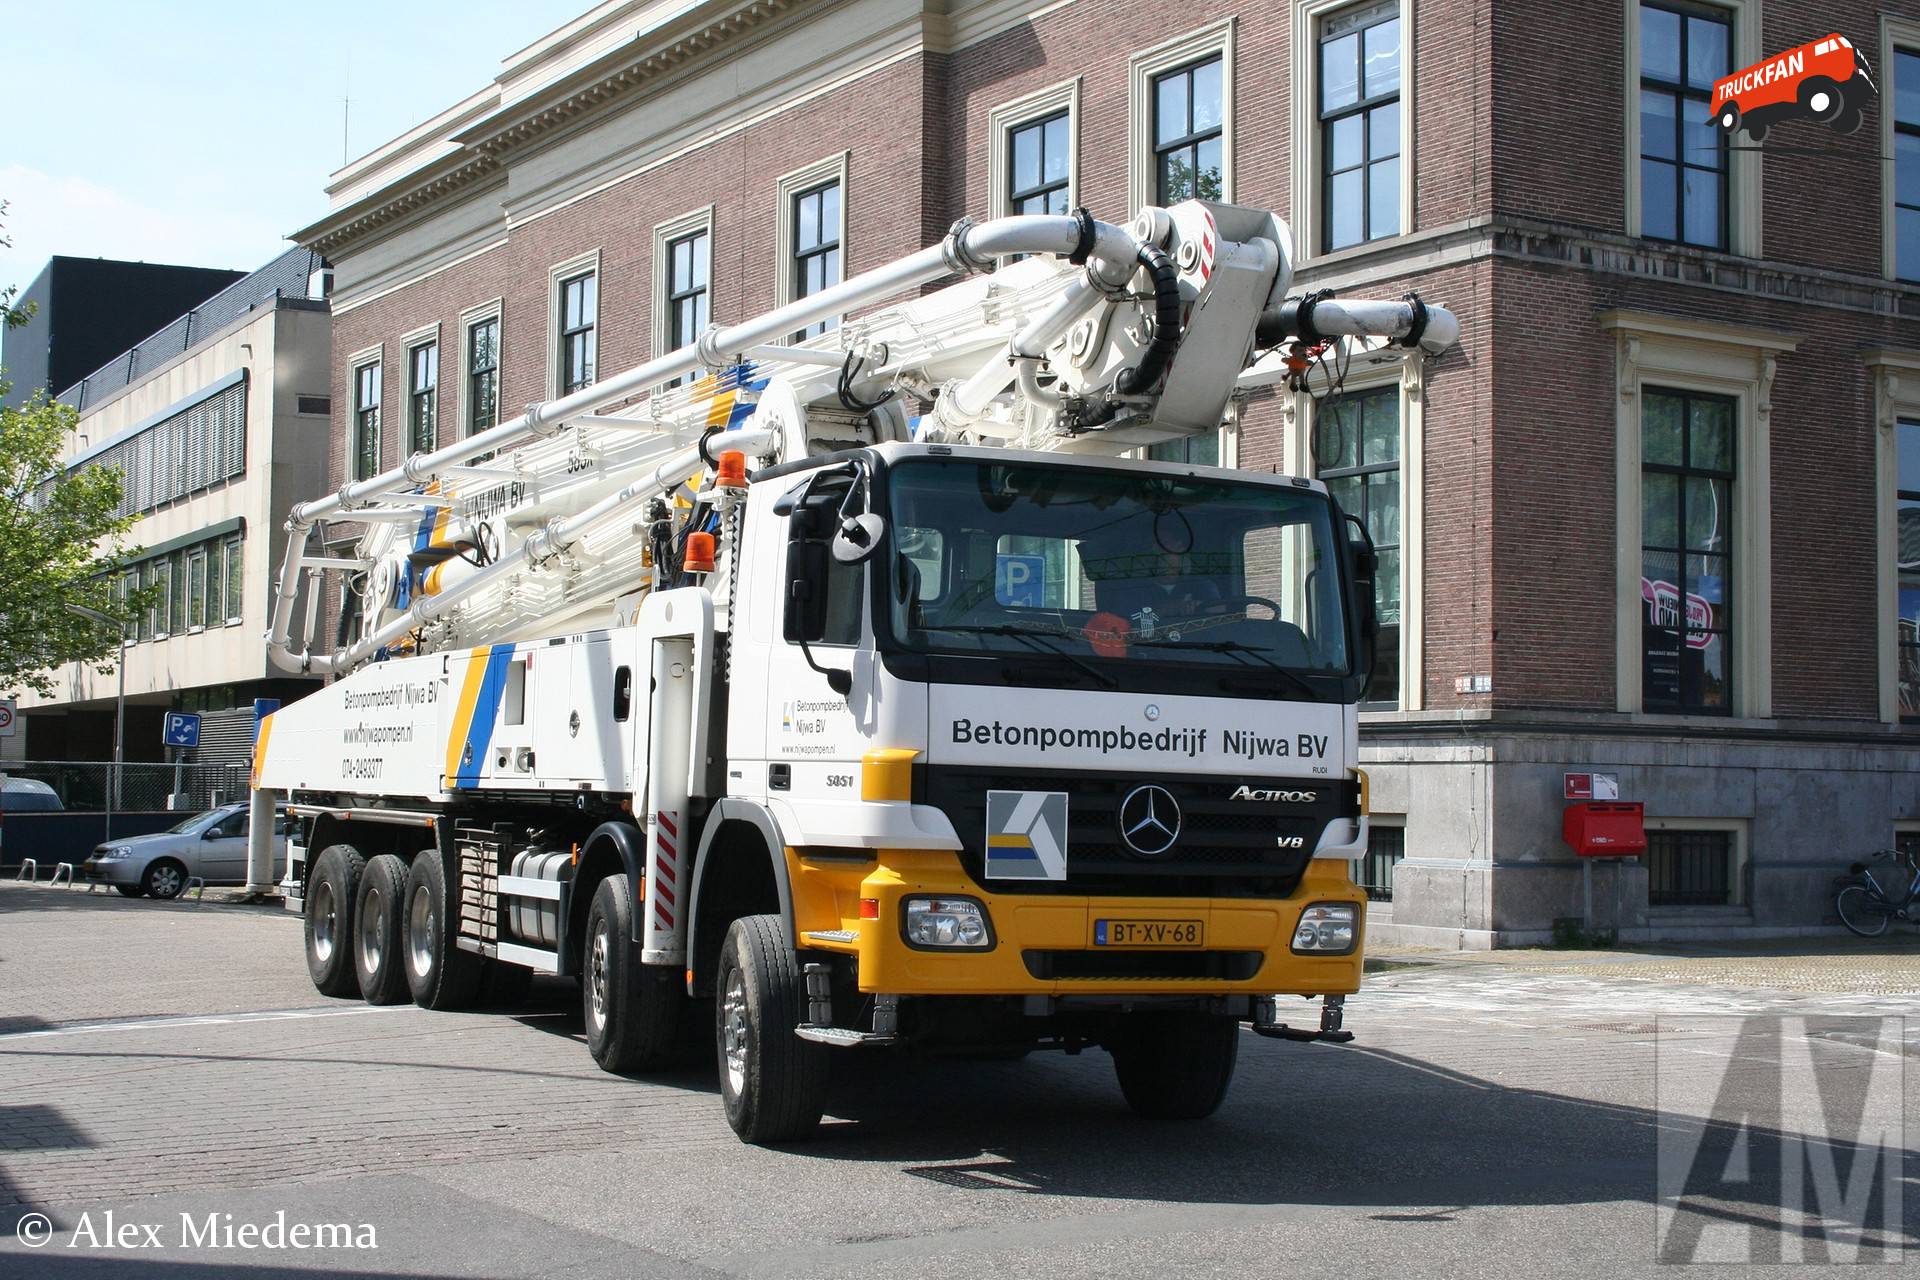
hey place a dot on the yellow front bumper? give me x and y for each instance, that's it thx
(827, 899)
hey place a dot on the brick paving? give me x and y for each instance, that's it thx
(1526, 1090)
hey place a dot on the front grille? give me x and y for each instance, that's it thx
(1229, 966)
(1226, 847)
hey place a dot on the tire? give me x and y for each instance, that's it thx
(773, 1083)
(439, 974)
(331, 890)
(1849, 120)
(379, 931)
(1176, 1066)
(1728, 119)
(164, 879)
(131, 890)
(1821, 90)
(1861, 912)
(632, 1011)
(1756, 132)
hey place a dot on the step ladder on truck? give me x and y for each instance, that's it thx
(876, 689)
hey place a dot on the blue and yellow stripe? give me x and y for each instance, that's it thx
(475, 713)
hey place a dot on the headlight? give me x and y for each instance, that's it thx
(946, 923)
(114, 854)
(1326, 927)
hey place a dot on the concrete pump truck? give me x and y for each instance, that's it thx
(875, 689)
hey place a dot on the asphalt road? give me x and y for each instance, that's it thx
(169, 1063)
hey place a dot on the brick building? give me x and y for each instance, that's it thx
(1643, 521)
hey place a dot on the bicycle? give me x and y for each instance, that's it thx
(1865, 905)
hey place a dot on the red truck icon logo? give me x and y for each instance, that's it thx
(1825, 80)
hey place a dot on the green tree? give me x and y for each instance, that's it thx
(12, 316)
(60, 545)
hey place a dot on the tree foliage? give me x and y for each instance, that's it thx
(11, 317)
(60, 546)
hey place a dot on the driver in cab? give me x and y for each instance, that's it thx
(1161, 589)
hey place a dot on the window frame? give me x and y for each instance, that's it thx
(1144, 70)
(1682, 551)
(196, 558)
(667, 235)
(1307, 199)
(1739, 873)
(1360, 471)
(559, 275)
(364, 418)
(1191, 141)
(1897, 35)
(1696, 355)
(1362, 108)
(1744, 195)
(422, 340)
(1004, 120)
(1682, 93)
(471, 319)
(802, 259)
(1405, 370)
(788, 191)
(1895, 377)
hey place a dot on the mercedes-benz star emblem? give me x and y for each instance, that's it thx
(1149, 820)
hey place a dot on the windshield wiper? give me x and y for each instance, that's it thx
(1235, 648)
(1034, 639)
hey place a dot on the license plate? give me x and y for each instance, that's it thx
(1149, 933)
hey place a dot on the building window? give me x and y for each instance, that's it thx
(579, 319)
(1683, 154)
(423, 396)
(1386, 846)
(236, 573)
(366, 421)
(196, 589)
(816, 246)
(1356, 450)
(1040, 165)
(1686, 535)
(1906, 164)
(1690, 868)
(1907, 542)
(1201, 450)
(483, 374)
(689, 263)
(1189, 127)
(1360, 144)
(159, 575)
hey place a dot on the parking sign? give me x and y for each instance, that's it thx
(1020, 581)
(180, 729)
(6, 717)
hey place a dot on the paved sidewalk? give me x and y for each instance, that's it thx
(1838, 965)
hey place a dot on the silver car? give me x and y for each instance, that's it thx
(210, 845)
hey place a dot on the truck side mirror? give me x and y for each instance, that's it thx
(1366, 570)
(805, 620)
(858, 538)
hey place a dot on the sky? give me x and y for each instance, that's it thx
(202, 131)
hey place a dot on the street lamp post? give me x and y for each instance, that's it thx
(119, 708)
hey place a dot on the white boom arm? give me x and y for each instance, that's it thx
(1145, 344)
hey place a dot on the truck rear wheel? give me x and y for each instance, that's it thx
(1176, 1066)
(440, 974)
(379, 931)
(331, 890)
(632, 1010)
(774, 1084)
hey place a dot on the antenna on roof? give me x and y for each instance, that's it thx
(346, 109)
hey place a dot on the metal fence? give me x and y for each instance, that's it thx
(87, 786)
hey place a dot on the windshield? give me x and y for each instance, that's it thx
(1125, 566)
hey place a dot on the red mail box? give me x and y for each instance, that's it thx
(1606, 829)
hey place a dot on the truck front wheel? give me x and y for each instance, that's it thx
(331, 889)
(632, 1009)
(774, 1084)
(1176, 1066)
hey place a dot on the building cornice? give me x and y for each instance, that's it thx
(483, 144)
